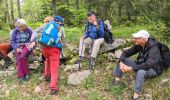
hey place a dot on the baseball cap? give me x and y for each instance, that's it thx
(58, 18)
(90, 12)
(141, 34)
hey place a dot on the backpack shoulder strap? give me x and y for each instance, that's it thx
(86, 26)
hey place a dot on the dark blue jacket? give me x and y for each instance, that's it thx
(93, 32)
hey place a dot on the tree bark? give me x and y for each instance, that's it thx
(128, 9)
(19, 9)
(54, 7)
(12, 9)
(77, 4)
(89, 4)
(120, 8)
(7, 10)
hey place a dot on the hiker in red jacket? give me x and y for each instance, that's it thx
(5, 48)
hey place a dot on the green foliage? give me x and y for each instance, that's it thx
(73, 34)
(14, 94)
(72, 16)
(166, 15)
(95, 96)
(89, 82)
(34, 25)
(158, 29)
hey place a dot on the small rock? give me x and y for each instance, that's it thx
(41, 78)
(111, 57)
(148, 97)
(4, 87)
(6, 93)
(118, 53)
(1, 86)
(37, 89)
(96, 71)
(72, 67)
(164, 81)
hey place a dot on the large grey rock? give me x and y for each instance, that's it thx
(78, 77)
(117, 43)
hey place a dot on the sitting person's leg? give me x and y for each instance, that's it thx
(96, 47)
(141, 75)
(118, 72)
(82, 45)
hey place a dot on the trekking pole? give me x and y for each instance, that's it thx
(90, 63)
(80, 56)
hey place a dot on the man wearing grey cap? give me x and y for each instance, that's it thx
(93, 35)
(144, 66)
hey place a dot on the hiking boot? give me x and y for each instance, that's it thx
(7, 63)
(115, 82)
(47, 78)
(92, 63)
(81, 59)
(53, 92)
(27, 77)
(134, 98)
(21, 80)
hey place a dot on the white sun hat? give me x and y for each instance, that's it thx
(141, 34)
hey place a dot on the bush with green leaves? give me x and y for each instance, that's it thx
(71, 15)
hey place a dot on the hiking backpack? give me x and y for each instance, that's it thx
(107, 33)
(165, 55)
(50, 36)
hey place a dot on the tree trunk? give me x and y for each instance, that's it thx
(161, 11)
(128, 9)
(7, 10)
(19, 9)
(46, 10)
(89, 4)
(120, 8)
(77, 4)
(12, 9)
(54, 7)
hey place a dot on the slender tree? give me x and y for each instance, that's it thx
(128, 9)
(77, 4)
(54, 7)
(12, 9)
(19, 9)
(120, 8)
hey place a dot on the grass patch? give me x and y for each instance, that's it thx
(96, 95)
(89, 82)
(73, 34)
(15, 95)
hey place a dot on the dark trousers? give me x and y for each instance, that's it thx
(141, 74)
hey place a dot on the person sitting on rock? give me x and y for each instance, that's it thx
(5, 49)
(93, 35)
(19, 40)
(147, 60)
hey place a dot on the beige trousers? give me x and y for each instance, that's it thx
(88, 41)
